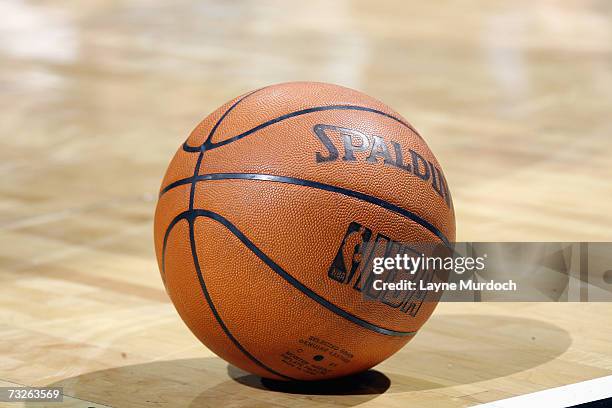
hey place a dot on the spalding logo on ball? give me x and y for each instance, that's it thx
(268, 215)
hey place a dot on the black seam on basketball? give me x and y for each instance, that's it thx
(191, 219)
(175, 184)
(321, 186)
(194, 213)
(187, 215)
(193, 183)
(191, 149)
(175, 221)
(209, 145)
(208, 138)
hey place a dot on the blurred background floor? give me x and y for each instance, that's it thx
(513, 98)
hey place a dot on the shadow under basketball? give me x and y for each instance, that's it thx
(443, 355)
(369, 382)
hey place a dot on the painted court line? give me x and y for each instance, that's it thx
(561, 397)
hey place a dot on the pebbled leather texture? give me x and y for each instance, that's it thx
(248, 224)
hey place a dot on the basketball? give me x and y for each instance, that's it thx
(268, 215)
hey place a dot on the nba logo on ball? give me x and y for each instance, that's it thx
(353, 265)
(265, 218)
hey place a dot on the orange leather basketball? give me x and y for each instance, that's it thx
(268, 214)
